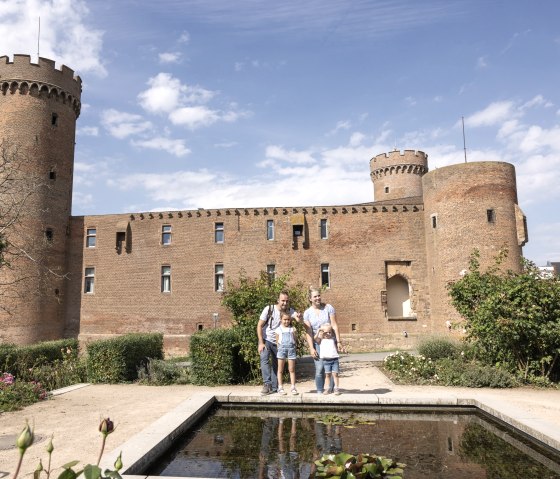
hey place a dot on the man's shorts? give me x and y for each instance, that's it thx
(331, 365)
(286, 352)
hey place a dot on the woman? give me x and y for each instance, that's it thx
(314, 317)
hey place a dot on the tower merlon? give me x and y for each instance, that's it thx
(44, 71)
(398, 157)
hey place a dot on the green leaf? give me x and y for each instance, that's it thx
(92, 472)
(67, 474)
(70, 464)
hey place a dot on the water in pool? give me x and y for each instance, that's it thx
(276, 443)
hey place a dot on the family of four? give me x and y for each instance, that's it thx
(277, 343)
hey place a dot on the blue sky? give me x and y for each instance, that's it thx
(245, 103)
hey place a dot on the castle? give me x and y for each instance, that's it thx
(386, 264)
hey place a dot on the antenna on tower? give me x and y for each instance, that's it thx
(38, 38)
(464, 142)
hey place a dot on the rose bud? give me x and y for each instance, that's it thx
(106, 427)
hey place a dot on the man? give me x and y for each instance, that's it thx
(268, 322)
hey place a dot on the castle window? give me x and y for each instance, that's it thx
(491, 216)
(324, 231)
(54, 119)
(91, 237)
(49, 234)
(218, 277)
(269, 229)
(52, 174)
(298, 230)
(166, 234)
(271, 272)
(434, 221)
(121, 238)
(199, 326)
(89, 279)
(166, 279)
(386, 189)
(218, 232)
(325, 275)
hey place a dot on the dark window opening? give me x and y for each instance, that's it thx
(354, 327)
(324, 231)
(52, 175)
(386, 189)
(434, 221)
(325, 275)
(56, 292)
(491, 216)
(54, 119)
(49, 235)
(200, 326)
(121, 238)
(298, 230)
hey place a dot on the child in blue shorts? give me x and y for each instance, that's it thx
(286, 341)
(328, 353)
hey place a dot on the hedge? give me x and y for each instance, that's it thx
(215, 358)
(15, 359)
(118, 359)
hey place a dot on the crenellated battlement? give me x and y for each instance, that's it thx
(44, 73)
(279, 211)
(396, 157)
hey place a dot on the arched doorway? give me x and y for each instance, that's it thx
(398, 297)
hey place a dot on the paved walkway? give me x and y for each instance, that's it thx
(73, 417)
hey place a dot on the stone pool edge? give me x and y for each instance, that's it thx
(141, 449)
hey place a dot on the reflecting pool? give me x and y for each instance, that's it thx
(240, 442)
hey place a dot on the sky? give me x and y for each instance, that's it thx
(251, 103)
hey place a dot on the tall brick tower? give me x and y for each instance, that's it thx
(397, 175)
(39, 105)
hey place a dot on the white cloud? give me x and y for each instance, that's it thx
(340, 125)
(357, 138)
(184, 37)
(173, 147)
(274, 152)
(538, 100)
(65, 34)
(194, 116)
(481, 62)
(410, 101)
(121, 125)
(163, 95)
(225, 144)
(170, 57)
(88, 131)
(493, 114)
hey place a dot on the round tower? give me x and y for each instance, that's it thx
(469, 206)
(398, 175)
(39, 105)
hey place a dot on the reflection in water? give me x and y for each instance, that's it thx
(274, 444)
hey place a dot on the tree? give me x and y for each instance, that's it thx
(512, 319)
(246, 297)
(20, 245)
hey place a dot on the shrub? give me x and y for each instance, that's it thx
(19, 359)
(438, 348)
(405, 367)
(71, 369)
(16, 394)
(216, 359)
(118, 359)
(158, 372)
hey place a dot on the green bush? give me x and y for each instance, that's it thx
(118, 359)
(63, 372)
(216, 359)
(20, 394)
(18, 360)
(159, 372)
(456, 372)
(406, 368)
(438, 348)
